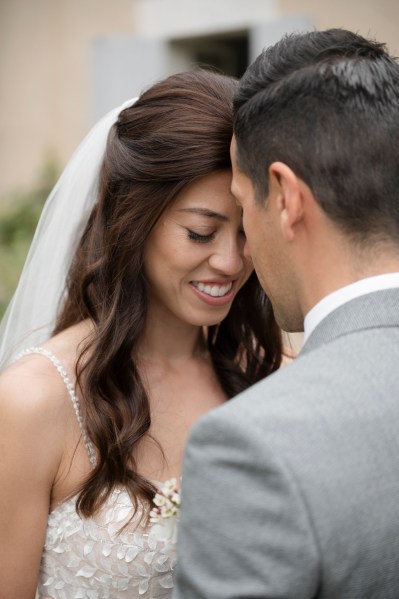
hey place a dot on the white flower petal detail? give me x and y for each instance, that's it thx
(59, 585)
(142, 571)
(88, 548)
(107, 548)
(149, 556)
(143, 587)
(86, 572)
(123, 514)
(132, 553)
(166, 581)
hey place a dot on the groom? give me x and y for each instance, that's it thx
(291, 490)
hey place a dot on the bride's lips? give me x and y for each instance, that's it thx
(215, 292)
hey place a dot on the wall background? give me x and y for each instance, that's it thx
(46, 59)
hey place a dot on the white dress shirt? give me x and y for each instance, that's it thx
(345, 294)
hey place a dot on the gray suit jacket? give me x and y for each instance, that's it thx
(291, 490)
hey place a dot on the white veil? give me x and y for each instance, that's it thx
(31, 314)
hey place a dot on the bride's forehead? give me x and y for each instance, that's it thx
(209, 191)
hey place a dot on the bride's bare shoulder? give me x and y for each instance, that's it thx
(30, 386)
(33, 410)
(34, 383)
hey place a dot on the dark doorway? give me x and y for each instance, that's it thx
(227, 52)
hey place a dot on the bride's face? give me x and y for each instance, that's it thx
(193, 258)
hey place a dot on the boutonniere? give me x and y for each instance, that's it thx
(164, 516)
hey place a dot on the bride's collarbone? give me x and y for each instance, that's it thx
(180, 381)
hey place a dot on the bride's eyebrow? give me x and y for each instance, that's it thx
(205, 212)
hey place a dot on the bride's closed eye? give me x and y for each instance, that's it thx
(199, 237)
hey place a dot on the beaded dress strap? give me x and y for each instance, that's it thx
(71, 392)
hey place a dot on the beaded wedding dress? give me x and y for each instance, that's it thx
(100, 557)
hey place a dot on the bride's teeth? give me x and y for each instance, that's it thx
(218, 291)
(214, 290)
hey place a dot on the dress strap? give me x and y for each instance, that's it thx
(71, 392)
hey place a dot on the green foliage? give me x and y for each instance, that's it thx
(19, 213)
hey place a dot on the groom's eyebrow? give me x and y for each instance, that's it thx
(205, 212)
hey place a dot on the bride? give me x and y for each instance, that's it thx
(136, 313)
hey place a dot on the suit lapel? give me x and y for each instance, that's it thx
(373, 310)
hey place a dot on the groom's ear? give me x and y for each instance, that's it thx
(289, 198)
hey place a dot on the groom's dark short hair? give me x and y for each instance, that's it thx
(326, 103)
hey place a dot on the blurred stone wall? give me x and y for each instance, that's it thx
(47, 78)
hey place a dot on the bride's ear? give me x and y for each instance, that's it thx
(289, 200)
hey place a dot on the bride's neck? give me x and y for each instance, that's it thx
(171, 342)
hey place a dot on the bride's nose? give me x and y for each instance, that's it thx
(228, 257)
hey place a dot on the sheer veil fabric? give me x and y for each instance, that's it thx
(30, 316)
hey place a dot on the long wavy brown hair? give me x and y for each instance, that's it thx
(178, 130)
